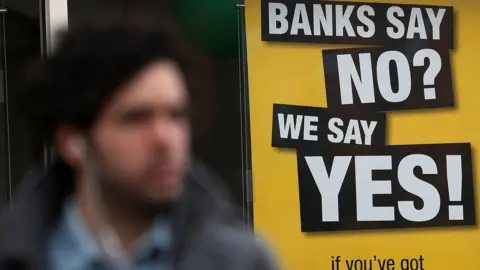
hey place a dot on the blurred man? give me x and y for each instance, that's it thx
(124, 192)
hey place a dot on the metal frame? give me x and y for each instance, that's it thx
(8, 194)
(55, 19)
(247, 174)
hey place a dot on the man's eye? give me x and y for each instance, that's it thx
(135, 116)
(180, 113)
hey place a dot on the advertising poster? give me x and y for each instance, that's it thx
(363, 125)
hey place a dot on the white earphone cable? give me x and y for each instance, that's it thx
(106, 236)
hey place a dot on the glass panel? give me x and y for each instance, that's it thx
(23, 44)
(217, 94)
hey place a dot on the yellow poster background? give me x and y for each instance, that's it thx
(293, 74)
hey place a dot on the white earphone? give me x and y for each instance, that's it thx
(77, 146)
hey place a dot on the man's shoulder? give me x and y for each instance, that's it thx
(242, 244)
(221, 235)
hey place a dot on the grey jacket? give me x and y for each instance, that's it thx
(208, 236)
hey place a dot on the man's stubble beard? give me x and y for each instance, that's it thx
(113, 189)
(116, 190)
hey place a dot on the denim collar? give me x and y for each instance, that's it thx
(71, 240)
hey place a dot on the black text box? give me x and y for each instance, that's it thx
(385, 79)
(398, 187)
(310, 21)
(315, 127)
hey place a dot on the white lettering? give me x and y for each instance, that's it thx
(384, 76)
(309, 126)
(290, 126)
(347, 72)
(392, 12)
(435, 21)
(368, 30)
(277, 13)
(329, 185)
(426, 191)
(343, 20)
(300, 21)
(323, 20)
(416, 25)
(366, 187)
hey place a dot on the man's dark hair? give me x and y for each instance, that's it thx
(90, 63)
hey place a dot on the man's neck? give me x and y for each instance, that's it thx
(129, 221)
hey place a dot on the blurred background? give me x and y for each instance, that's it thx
(211, 26)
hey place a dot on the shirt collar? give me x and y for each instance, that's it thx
(86, 251)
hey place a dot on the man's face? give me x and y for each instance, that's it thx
(142, 136)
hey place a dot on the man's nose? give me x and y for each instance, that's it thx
(163, 132)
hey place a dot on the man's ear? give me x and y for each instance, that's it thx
(71, 146)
